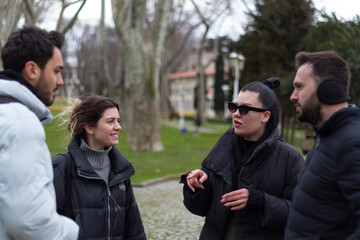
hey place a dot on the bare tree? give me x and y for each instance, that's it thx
(181, 29)
(34, 11)
(10, 14)
(84, 42)
(65, 4)
(212, 12)
(104, 64)
(143, 52)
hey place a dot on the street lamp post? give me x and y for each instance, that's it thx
(226, 89)
(237, 61)
(181, 109)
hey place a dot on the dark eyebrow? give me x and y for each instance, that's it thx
(59, 67)
(112, 118)
(297, 84)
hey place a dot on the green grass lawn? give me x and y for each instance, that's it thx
(182, 153)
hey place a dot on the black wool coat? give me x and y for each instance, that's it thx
(272, 170)
(102, 211)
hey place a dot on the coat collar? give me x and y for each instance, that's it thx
(12, 75)
(221, 158)
(338, 120)
(17, 89)
(120, 166)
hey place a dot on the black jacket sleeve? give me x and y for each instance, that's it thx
(59, 167)
(348, 171)
(197, 202)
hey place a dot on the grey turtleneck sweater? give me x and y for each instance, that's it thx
(99, 160)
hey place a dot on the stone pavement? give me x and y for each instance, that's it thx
(163, 213)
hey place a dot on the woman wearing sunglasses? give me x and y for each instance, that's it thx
(246, 182)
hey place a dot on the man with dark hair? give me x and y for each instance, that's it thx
(326, 202)
(32, 61)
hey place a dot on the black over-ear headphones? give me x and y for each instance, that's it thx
(331, 92)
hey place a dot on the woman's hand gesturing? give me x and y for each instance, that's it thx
(236, 200)
(195, 179)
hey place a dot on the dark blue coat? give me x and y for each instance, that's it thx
(272, 170)
(103, 211)
(326, 203)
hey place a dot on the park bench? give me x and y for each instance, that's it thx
(305, 147)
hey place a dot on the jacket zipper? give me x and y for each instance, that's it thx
(108, 198)
(117, 207)
(109, 213)
(317, 143)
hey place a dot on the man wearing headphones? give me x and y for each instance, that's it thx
(326, 202)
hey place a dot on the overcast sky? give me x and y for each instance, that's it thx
(231, 25)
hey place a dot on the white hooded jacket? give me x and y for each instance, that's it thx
(27, 196)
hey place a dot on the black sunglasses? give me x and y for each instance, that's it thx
(243, 109)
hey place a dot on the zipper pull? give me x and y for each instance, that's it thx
(117, 207)
(318, 142)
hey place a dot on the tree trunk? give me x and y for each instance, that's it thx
(166, 107)
(143, 61)
(10, 13)
(293, 124)
(103, 53)
(214, 13)
(202, 79)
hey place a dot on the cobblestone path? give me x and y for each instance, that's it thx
(164, 215)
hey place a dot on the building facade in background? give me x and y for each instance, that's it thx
(183, 84)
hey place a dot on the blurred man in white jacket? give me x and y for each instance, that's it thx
(32, 61)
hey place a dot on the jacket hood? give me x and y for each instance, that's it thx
(12, 75)
(338, 120)
(23, 94)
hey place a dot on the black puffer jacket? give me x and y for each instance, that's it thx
(326, 202)
(272, 170)
(102, 211)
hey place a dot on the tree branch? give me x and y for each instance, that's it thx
(73, 20)
(30, 11)
(180, 49)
